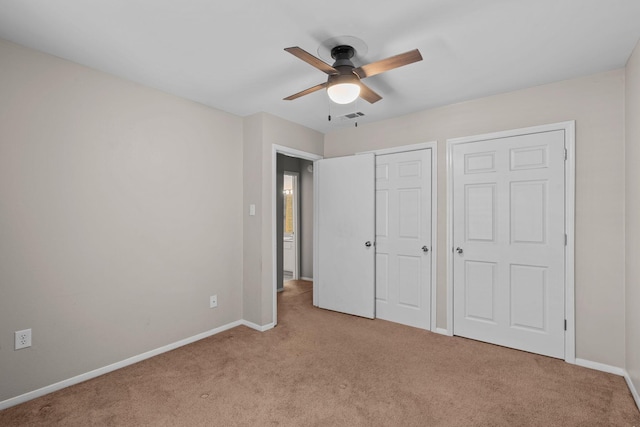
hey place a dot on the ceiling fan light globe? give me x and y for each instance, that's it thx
(344, 93)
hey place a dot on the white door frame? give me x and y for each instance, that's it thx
(433, 145)
(275, 149)
(570, 168)
(296, 222)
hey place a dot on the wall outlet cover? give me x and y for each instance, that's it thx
(22, 339)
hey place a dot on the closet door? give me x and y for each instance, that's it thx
(509, 241)
(403, 238)
(345, 189)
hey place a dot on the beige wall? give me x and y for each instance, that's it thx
(120, 213)
(597, 104)
(252, 225)
(632, 157)
(262, 131)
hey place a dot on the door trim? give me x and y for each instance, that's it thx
(275, 149)
(296, 223)
(433, 146)
(402, 148)
(570, 168)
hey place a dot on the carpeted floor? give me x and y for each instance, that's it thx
(320, 368)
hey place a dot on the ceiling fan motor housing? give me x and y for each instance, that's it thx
(342, 55)
(348, 77)
(343, 87)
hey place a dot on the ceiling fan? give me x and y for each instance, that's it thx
(344, 83)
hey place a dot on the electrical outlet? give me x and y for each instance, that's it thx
(23, 339)
(213, 301)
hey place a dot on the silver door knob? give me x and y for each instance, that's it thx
(425, 249)
(368, 244)
(459, 250)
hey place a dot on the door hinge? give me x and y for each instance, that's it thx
(565, 154)
(565, 324)
(565, 239)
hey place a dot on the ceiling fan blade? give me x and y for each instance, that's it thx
(368, 94)
(311, 60)
(388, 64)
(305, 92)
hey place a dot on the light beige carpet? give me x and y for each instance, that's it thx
(320, 368)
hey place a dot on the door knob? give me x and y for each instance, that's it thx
(459, 250)
(368, 244)
(425, 249)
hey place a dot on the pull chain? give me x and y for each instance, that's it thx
(357, 101)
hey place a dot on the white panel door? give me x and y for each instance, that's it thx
(403, 238)
(509, 241)
(346, 233)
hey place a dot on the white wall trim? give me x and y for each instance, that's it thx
(442, 331)
(449, 247)
(434, 234)
(258, 328)
(306, 278)
(600, 367)
(296, 224)
(316, 224)
(569, 129)
(114, 366)
(569, 255)
(612, 370)
(402, 148)
(632, 389)
(275, 149)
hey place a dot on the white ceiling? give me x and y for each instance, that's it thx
(229, 54)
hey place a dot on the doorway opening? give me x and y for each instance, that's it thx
(291, 227)
(292, 218)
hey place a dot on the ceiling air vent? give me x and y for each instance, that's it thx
(352, 115)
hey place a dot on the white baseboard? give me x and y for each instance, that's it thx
(310, 279)
(114, 366)
(257, 327)
(632, 389)
(600, 367)
(612, 370)
(442, 331)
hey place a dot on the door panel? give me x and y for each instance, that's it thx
(480, 218)
(508, 221)
(480, 282)
(528, 297)
(346, 220)
(409, 281)
(403, 227)
(409, 204)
